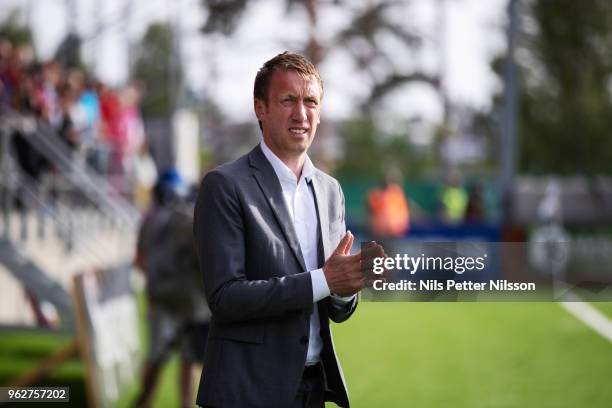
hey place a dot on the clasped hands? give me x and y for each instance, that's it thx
(347, 274)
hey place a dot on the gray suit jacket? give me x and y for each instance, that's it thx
(258, 288)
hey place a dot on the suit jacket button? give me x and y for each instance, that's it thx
(304, 339)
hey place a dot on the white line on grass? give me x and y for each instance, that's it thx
(590, 316)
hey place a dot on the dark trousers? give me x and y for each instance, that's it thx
(311, 391)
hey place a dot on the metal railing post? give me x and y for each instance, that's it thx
(4, 167)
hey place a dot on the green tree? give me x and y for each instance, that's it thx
(365, 37)
(371, 25)
(13, 31)
(157, 69)
(566, 89)
(374, 151)
(69, 52)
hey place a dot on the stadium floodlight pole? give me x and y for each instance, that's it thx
(509, 121)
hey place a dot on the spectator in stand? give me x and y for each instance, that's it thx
(27, 99)
(67, 130)
(51, 77)
(76, 82)
(12, 68)
(132, 128)
(103, 125)
(20, 60)
(3, 104)
(90, 105)
(6, 49)
(110, 110)
(84, 113)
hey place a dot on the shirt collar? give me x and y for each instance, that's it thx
(283, 172)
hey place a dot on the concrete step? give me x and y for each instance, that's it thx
(98, 245)
(14, 306)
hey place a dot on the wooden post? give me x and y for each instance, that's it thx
(46, 366)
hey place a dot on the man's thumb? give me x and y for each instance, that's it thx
(345, 243)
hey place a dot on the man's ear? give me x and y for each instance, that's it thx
(260, 108)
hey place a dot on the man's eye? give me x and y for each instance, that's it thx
(311, 102)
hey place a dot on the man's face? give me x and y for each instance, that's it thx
(291, 114)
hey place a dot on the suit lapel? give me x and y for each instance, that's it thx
(321, 199)
(270, 186)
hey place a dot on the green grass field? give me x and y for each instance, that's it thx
(21, 350)
(473, 355)
(430, 355)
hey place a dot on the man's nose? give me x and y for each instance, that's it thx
(299, 111)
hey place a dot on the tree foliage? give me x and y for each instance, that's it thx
(68, 53)
(374, 151)
(371, 26)
(155, 68)
(566, 93)
(366, 37)
(13, 31)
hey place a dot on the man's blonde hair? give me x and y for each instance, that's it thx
(285, 61)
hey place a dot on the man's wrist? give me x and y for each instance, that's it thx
(320, 289)
(342, 299)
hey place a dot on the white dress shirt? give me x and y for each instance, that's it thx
(300, 202)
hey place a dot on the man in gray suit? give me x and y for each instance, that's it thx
(274, 254)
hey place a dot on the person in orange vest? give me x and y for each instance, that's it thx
(388, 208)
